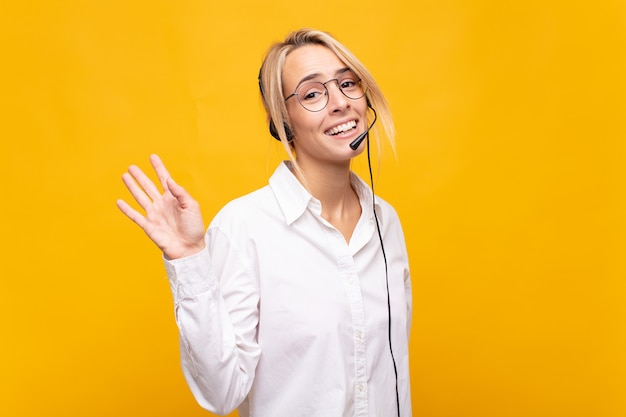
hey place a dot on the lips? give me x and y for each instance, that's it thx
(342, 128)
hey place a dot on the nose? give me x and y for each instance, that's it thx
(336, 98)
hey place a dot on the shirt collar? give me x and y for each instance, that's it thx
(365, 196)
(294, 199)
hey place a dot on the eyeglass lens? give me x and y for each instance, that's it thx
(313, 96)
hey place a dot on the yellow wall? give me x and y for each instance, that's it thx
(510, 182)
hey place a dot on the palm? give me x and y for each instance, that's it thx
(172, 220)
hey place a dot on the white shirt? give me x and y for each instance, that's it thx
(280, 316)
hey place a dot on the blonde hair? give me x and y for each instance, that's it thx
(270, 82)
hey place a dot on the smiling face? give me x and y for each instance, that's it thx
(322, 137)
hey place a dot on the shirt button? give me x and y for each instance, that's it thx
(359, 334)
(361, 387)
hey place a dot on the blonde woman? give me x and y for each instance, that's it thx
(296, 301)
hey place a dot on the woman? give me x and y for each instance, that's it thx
(289, 304)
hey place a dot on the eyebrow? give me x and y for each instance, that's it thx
(317, 74)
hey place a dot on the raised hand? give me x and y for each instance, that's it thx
(172, 220)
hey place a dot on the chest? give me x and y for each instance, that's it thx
(315, 285)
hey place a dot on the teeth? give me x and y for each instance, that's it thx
(341, 128)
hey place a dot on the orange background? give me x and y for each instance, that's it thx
(510, 182)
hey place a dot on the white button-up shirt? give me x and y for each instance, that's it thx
(280, 316)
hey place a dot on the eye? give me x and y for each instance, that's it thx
(311, 91)
(348, 83)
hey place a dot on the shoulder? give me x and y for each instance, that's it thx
(247, 207)
(384, 209)
(242, 225)
(388, 215)
(385, 206)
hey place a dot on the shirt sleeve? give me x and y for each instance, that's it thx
(409, 301)
(408, 290)
(216, 300)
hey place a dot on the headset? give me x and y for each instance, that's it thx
(354, 146)
(273, 130)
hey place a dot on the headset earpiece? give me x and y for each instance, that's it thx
(272, 126)
(274, 132)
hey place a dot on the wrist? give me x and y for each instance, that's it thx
(185, 252)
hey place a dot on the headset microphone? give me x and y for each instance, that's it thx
(355, 143)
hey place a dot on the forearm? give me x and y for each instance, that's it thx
(218, 345)
(218, 370)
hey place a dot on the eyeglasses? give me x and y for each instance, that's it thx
(313, 96)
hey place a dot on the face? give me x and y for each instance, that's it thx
(324, 136)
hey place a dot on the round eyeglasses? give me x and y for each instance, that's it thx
(313, 96)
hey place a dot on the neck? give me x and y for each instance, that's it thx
(330, 184)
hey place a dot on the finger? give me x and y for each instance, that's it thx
(179, 193)
(131, 213)
(137, 192)
(146, 183)
(161, 171)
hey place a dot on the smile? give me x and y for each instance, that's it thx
(341, 128)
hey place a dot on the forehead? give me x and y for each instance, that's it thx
(310, 61)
